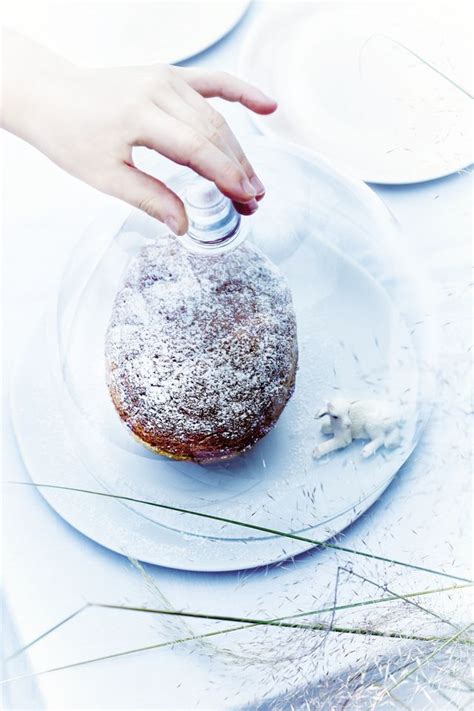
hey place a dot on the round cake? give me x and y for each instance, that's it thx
(201, 352)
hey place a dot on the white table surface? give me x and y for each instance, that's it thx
(50, 569)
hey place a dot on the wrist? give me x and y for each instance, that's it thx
(32, 77)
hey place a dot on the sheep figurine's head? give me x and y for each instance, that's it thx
(338, 411)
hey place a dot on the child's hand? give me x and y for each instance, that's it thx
(88, 120)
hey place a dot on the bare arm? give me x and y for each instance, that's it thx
(88, 120)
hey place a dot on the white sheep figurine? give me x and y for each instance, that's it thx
(379, 421)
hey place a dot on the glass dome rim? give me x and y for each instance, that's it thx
(378, 213)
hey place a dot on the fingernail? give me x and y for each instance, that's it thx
(173, 224)
(267, 97)
(258, 185)
(252, 206)
(247, 187)
(268, 100)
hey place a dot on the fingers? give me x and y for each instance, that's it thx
(194, 110)
(191, 148)
(246, 208)
(194, 115)
(228, 87)
(150, 195)
(185, 128)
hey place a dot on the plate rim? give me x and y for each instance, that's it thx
(51, 497)
(339, 165)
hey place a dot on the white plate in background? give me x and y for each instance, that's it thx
(125, 33)
(351, 84)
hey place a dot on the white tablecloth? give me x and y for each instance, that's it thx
(50, 570)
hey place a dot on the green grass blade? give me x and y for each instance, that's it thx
(308, 613)
(317, 626)
(446, 642)
(405, 599)
(213, 634)
(255, 527)
(45, 634)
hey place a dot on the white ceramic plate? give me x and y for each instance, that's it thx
(357, 314)
(351, 84)
(126, 33)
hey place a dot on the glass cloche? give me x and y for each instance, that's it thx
(362, 337)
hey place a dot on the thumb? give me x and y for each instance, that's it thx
(152, 196)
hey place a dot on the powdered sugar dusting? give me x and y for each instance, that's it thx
(201, 351)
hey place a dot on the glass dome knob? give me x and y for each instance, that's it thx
(214, 224)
